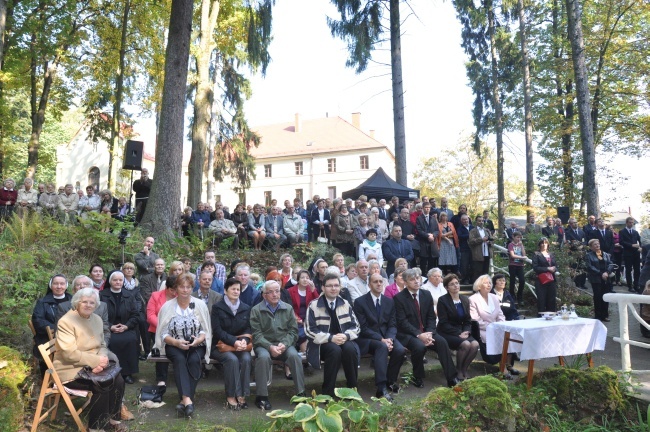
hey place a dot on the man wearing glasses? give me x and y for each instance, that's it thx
(331, 327)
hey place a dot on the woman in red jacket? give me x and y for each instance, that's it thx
(301, 295)
(156, 302)
(8, 198)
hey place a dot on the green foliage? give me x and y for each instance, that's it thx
(13, 371)
(349, 412)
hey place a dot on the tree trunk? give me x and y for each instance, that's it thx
(566, 110)
(3, 28)
(214, 137)
(202, 102)
(498, 116)
(528, 117)
(119, 90)
(398, 94)
(162, 216)
(589, 185)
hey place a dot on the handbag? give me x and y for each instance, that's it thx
(545, 278)
(109, 374)
(224, 347)
(321, 236)
(153, 393)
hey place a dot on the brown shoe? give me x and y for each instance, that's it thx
(125, 414)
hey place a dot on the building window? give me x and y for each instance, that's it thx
(299, 194)
(331, 165)
(242, 198)
(267, 170)
(93, 178)
(331, 192)
(298, 166)
(363, 162)
(267, 198)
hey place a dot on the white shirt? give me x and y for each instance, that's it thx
(481, 232)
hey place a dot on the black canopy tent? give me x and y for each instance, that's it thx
(379, 186)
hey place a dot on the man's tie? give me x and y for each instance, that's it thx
(378, 308)
(332, 305)
(417, 308)
(602, 233)
(427, 219)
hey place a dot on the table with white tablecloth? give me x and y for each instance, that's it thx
(541, 338)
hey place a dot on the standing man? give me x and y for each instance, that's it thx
(142, 188)
(480, 242)
(320, 221)
(428, 233)
(465, 251)
(275, 333)
(630, 240)
(510, 232)
(591, 226)
(394, 248)
(416, 329)
(575, 233)
(376, 315)
(409, 233)
(531, 226)
(331, 327)
(145, 259)
(383, 213)
(444, 208)
(605, 236)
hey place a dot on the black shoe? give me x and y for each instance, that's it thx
(424, 360)
(189, 410)
(605, 319)
(393, 387)
(384, 394)
(243, 405)
(417, 382)
(513, 371)
(128, 379)
(180, 409)
(142, 357)
(454, 382)
(263, 404)
(288, 376)
(232, 407)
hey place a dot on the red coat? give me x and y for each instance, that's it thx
(156, 302)
(8, 197)
(295, 299)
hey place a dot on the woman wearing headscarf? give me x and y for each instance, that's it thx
(123, 316)
(45, 313)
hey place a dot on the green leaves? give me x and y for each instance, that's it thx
(348, 393)
(329, 422)
(304, 412)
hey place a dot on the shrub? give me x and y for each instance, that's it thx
(13, 372)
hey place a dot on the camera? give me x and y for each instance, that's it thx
(124, 233)
(155, 352)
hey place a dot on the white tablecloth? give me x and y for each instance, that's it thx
(547, 338)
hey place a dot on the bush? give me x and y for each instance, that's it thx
(13, 371)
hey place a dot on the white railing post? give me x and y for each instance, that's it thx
(624, 331)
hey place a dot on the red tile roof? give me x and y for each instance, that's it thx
(324, 135)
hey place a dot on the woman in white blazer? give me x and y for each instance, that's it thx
(485, 309)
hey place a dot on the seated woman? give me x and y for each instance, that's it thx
(399, 263)
(484, 308)
(286, 261)
(96, 274)
(132, 284)
(507, 301)
(123, 315)
(231, 325)
(393, 289)
(184, 335)
(156, 302)
(435, 284)
(175, 269)
(350, 273)
(45, 313)
(301, 295)
(371, 245)
(80, 342)
(217, 284)
(455, 324)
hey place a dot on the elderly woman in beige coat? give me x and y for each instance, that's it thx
(485, 308)
(80, 342)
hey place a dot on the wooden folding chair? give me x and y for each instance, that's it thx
(53, 390)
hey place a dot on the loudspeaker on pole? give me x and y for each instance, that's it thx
(133, 152)
(564, 214)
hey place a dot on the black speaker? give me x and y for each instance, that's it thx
(133, 152)
(564, 214)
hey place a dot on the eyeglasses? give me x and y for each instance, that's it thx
(333, 286)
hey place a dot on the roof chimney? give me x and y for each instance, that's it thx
(297, 127)
(356, 120)
(372, 133)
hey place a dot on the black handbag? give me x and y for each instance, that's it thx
(107, 375)
(152, 393)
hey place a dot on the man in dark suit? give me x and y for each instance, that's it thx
(395, 248)
(509, 232)
(604, 236)
(376, 315)
(416, 328)
(427, 233)
(487, 221)
(383, 213)
(574, 232)
(465, 251)
(409, 233)
(630, 239)
(319, 221)
(590, 226)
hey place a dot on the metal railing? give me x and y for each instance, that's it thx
(627, 302)
(505, 271)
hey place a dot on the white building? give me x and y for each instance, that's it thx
(304, 158)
